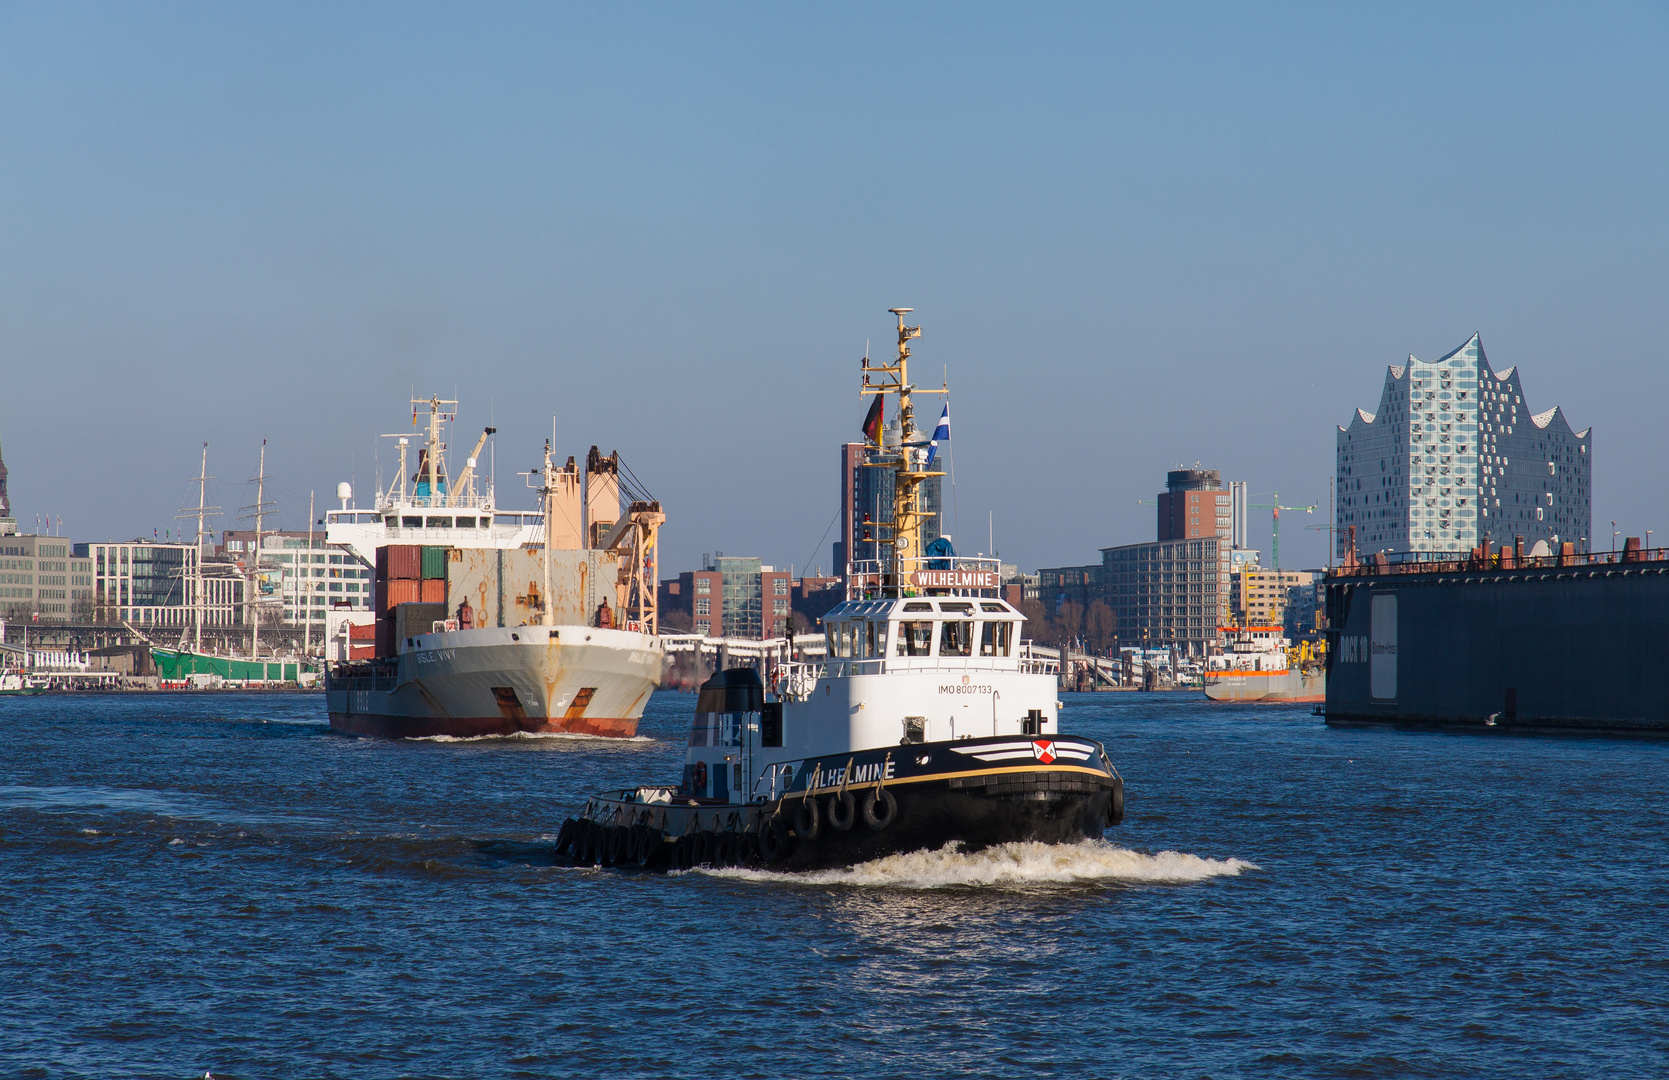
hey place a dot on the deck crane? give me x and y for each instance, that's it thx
(467, 477)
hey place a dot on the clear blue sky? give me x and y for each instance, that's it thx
(1136, 237)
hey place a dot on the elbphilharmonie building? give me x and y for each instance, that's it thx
(1453, 456)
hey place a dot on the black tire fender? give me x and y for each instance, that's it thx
(880, 809)
(842, 810)
(773, 839)
(565, 838)
(808, 821)
(648, 846)
(619, 845)
(1115, 803)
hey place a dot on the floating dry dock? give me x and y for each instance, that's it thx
(1503, 642)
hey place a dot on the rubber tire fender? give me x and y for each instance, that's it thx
(880, 809)
(619, 845)
(773, 839)
(648, 846)
(590, 844)
(565, 838)
(706, 843)
(842, 810)
(808, 820)
(1115, 803)
(683, 853)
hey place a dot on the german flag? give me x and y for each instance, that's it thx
(872, 422)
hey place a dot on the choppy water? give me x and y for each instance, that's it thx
(216, 883)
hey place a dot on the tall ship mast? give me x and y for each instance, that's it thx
(491, 621)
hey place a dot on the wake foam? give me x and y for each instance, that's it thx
(1009, 865)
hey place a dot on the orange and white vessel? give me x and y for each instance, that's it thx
(1257, 664)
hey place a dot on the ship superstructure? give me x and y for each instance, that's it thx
(1258, 663)
(929, 722)
(493, 621)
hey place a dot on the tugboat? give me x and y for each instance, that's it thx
(929, 722)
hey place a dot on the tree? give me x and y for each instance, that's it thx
(1069, 622)
(1037, 621)
(1099, 625)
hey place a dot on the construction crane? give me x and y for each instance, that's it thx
(1276, 508)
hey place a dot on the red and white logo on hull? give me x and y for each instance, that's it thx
(1043, 750)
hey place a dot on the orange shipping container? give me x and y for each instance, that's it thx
(362, 631)
(434, 591)
(403, 592)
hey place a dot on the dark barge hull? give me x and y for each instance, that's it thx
(1545, 649)
(942, 793)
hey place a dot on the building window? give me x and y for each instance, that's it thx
(702, 626)
(780, 587)
(704, 606)
(703, 586)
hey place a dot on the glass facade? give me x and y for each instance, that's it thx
(1452, 455)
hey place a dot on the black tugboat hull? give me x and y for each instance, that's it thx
(868, 805)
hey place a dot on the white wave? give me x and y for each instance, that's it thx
(575, 735)
(1022, 864)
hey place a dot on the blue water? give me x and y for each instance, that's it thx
(216, 883)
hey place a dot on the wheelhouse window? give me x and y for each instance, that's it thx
(915, 639)
(411, 522)
(956, 638)
(440, 523)
(995, 638)
(466, 523)
(875, 639)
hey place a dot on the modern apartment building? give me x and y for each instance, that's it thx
(1453, 455)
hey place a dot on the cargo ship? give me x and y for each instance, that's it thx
(1501, 641)
(929, 722)
(1258, 664)
(494, 622)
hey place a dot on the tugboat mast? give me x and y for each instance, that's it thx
(908, 465)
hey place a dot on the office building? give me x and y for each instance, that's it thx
(44, 578)
(149, 583)
(300, 576)
(740, 597)
(1453, 455)
(866, 493)
(1262, 597)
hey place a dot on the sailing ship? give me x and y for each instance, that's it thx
(930, 722)
(497, 622)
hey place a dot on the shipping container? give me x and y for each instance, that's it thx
(411, 620)
(403, 592)
(362, 652)
(503, 586)
(405, 561)
(434, 563)
(362, 632)
(434, 592)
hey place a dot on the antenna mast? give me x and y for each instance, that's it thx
(908, 463)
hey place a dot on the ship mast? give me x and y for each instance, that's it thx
(252, 589)
(197, 599)
(909, 463)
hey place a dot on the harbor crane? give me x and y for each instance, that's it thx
(1276, 508)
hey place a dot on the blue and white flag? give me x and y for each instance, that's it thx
(940, 432)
